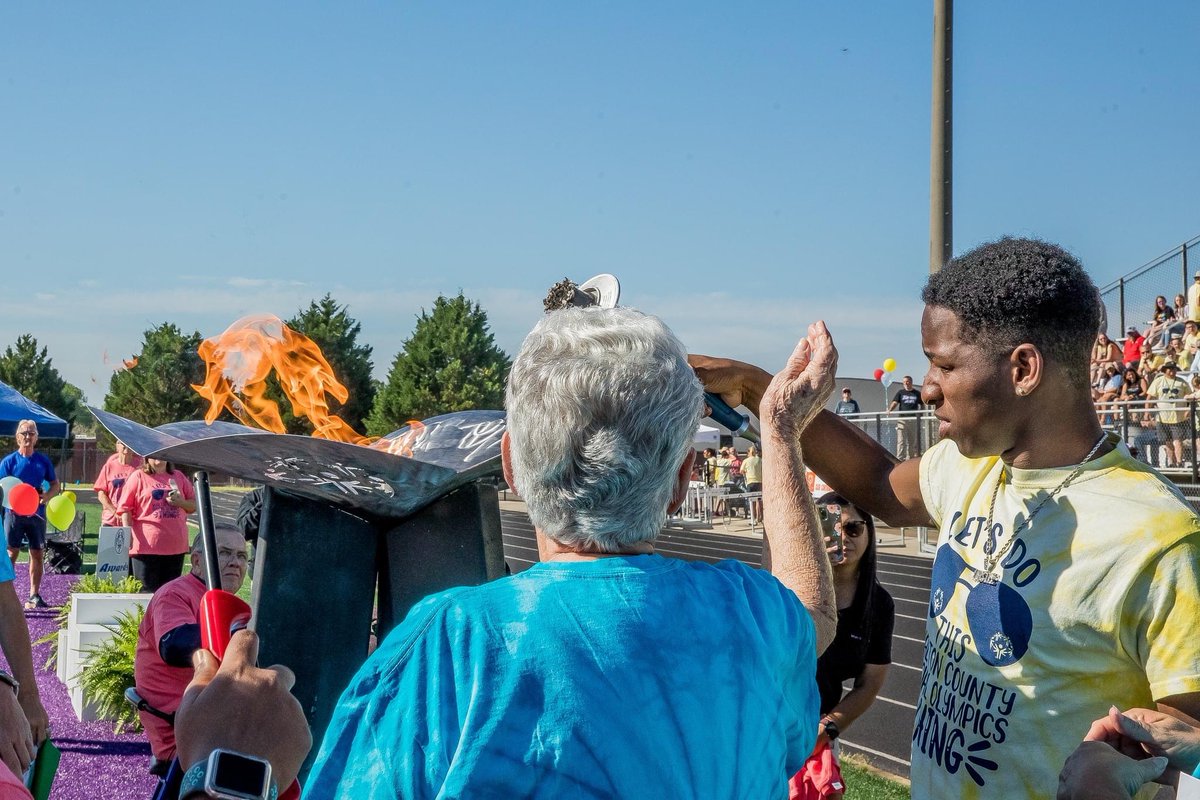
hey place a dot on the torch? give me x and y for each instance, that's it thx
(221, 612)
(604, 290)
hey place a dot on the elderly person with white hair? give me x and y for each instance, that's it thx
(607, 670)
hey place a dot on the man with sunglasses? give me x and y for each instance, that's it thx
(35, 469)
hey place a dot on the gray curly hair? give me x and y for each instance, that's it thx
(602, 410)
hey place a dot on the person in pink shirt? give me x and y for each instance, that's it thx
(170, 634)
(155, 502)
(111, 481)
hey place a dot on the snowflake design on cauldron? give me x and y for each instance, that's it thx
(345, 478)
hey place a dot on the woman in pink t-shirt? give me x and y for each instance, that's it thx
(111, 481)
(155, 502)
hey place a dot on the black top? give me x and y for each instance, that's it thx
(908, 399)
(864, 636)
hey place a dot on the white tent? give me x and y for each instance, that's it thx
(706, 436)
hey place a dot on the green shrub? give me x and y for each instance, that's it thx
(108, 671)
(87, 584)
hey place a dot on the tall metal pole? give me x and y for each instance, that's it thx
(941, 160)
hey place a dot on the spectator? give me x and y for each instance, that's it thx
(1193, 294)
(721, 475)
(1191, 344)
(752, 472)
(1054, 610)
(1169, 390)
(1181, 310)
(710, 466)
(155, 503)
(1150, 362)
(847, 405)
(170, 634)
(862, 649)
(1105, 353)
(1160, 320)
(111, 481)
(1132, 350)
(907, 399)
(1133, 387)
(606, 670)
(1108, 392)
(34, 469)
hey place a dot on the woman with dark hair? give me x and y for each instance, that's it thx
(155, 503)
(862, 649)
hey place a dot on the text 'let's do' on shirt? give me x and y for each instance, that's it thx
(1096, 606)
(631, 677)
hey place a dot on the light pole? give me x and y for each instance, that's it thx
(941, 161)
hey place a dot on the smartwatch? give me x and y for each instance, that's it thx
(11, 681)
(228, 775)
(831, 729)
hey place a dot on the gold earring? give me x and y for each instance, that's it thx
(1020, 391)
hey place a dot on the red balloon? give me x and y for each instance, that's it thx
(878, 374)
(23, 500)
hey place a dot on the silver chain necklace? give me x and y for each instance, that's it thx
(988, 574)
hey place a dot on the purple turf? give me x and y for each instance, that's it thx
(96, 763)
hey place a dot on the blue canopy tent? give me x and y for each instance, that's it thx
(15, 407)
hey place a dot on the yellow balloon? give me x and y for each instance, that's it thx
(60, 512)
(70, 496)
(889, 365)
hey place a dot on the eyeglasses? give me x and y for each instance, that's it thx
(854, 528)
(27, 433)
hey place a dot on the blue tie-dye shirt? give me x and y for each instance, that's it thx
(629, 677)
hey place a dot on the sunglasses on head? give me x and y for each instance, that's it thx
(854, 528)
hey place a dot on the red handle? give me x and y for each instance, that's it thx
(221, 614)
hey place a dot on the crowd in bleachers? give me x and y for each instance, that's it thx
(1146, 384)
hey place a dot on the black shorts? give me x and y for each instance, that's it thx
(1174, 431)
(753, 487)
(19, 529)
(154, 570)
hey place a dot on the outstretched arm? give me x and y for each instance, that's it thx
(849, 460)
(793, 542)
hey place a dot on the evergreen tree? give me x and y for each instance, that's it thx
(31, 372)
(450, 363)
(334, 331)
(158, 388)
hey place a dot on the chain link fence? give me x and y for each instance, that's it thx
(1129, 300)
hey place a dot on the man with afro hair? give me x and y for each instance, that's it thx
(1066, 575)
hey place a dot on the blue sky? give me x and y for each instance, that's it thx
(742, 169)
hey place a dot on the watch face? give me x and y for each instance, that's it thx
(237, 776)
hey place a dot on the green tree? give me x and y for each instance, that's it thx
(158, 388)
(333, 330)
(450, 363)
(31, 372)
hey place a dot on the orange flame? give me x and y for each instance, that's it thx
(402, 445)
(241, 358)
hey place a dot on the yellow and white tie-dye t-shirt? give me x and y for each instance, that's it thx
(1096, 605)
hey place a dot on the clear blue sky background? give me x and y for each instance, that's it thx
(743, 168)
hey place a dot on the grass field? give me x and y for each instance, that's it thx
(92, 513)
(865, 783)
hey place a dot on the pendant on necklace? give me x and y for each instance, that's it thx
(986, 577)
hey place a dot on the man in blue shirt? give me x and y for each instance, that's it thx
(607, 670)
(35, 469)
